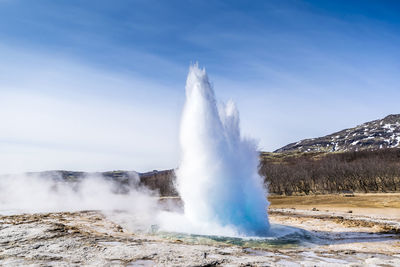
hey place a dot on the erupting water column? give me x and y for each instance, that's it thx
(218, 178)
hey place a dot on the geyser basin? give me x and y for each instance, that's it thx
(218, 176)
(281, 237)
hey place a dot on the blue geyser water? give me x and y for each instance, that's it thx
(217, 179)
(280, 237)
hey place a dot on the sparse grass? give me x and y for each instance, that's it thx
(379, 200)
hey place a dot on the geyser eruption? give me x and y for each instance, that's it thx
(218, 177)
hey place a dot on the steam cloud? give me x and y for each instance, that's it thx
(51, 193)
(217, 180)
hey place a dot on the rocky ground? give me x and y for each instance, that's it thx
(94, 239)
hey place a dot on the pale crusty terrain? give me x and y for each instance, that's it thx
(89, 238)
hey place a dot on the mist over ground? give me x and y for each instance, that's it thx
(43, 192)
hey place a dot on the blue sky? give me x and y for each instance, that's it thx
(99, 85)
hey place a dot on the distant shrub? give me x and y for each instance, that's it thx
(320, 173)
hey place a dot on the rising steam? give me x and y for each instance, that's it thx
(41, 192)
(217, 179)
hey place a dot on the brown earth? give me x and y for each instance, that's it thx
(379, 204)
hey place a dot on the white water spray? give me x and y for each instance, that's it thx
(218, 178)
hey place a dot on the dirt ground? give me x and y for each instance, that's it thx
(383, 204)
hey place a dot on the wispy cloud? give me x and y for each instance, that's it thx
(58, 114)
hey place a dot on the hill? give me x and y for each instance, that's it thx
(373, 135)
(160, 181)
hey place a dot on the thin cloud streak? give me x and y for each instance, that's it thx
(69, 117)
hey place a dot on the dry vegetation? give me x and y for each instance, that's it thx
(327, 173)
